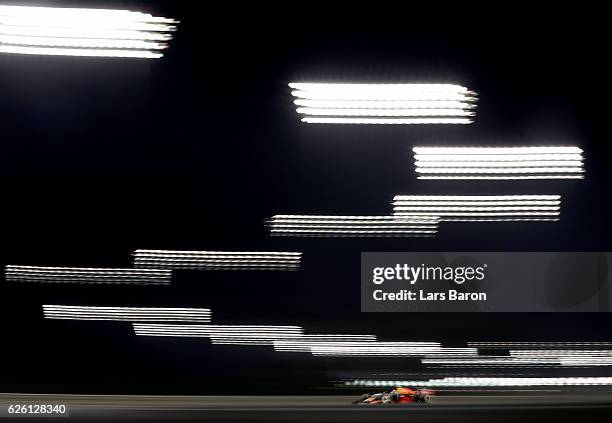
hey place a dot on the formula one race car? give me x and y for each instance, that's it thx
(398, 395)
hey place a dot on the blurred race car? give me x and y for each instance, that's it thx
(398, 395)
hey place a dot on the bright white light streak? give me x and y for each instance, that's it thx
(476, 197)
(501, 164)
(298, 343)
(86, 42)
(496, 150)
(476, 203)
(315, 218)
(539, 344)
(224, 254)
(387, 121)
(353, 232)
(264, 260)
(240, 341)
(82, 32)
(441, 210)
(488, 381)
(460, 157)
(444, 215)
(401, 99)
(84, 22)
(76, 12)
(304, 342)
(367, 344)
(501, 170)
(79, 52)
(498, 163)
(560, 353)
(501, 219)
(351, 87)
(386, 96)
(489, 177)
(322, 225)
(383, 104)
(483, 360)
(87, 275)
(254, 332)
(332, 226)
(383, 112)
(139, 314)
(385, 349)
(460, 207)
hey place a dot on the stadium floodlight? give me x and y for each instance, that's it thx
(64, 31)
(384, 103)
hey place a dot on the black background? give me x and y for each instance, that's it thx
(101, 156)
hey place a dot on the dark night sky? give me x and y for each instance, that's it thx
(99, 157)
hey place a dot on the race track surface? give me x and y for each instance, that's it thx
(498, 408)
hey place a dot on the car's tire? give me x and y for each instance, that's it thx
(426, 399)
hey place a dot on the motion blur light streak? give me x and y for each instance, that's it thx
(388, 349)
(87, 275)
(248, 334)
(77, 52)
(304, 342)
(83, 32)
(538, 344)
(351, 91)
(361, 96)
(355, 226)
(218, 260)
(512, 151)
(239, 341)
(89, 43)
(488, 381)
(560, 353)
(141, 314)
(387, 121)
(484, 361)
(383, 112)
(513, 198)
(85, 35)
(498, 162)
(384, 103)
(530, 357)
(480, 207)
(501, 164)
(488, 177)
(500, 170)
(300, 343)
